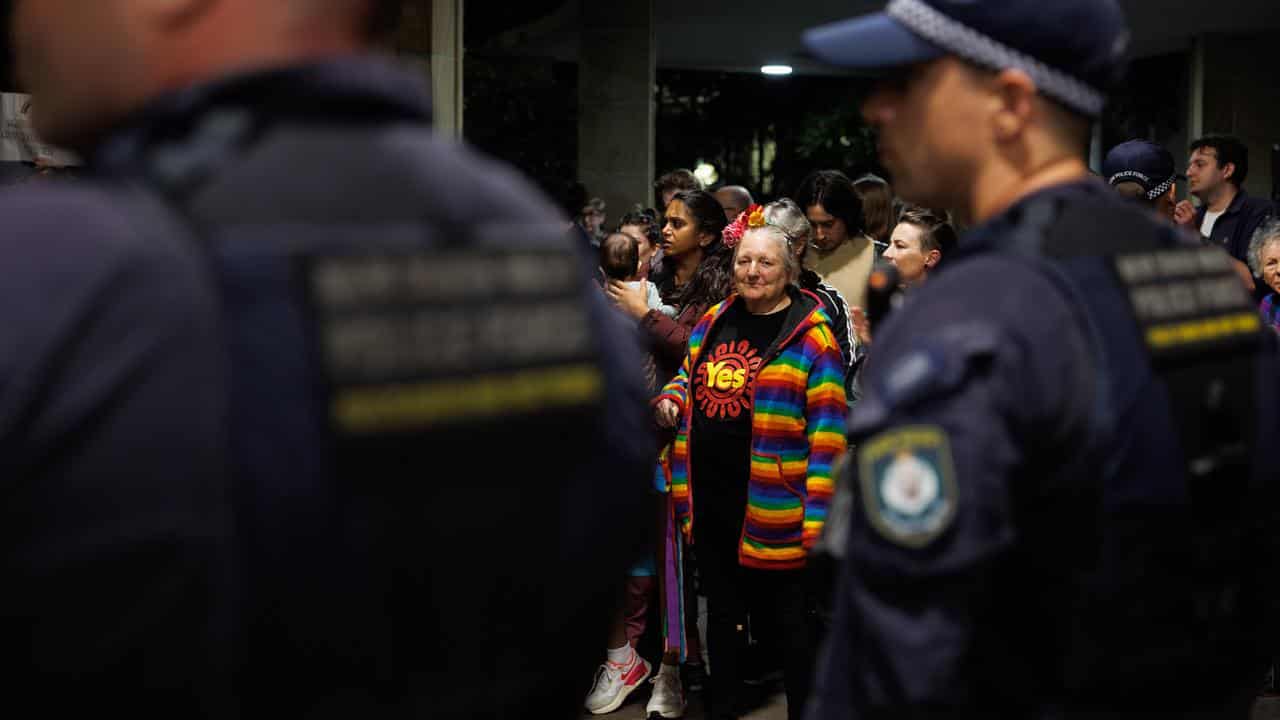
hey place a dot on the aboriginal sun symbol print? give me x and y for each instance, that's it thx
(723, 387)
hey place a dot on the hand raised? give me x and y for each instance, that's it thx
(861, 326)
(1184, 213)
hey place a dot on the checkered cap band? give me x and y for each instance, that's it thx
(1143, 178)
(962, 40)
(1160, 189)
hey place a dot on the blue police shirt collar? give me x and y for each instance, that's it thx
(990, 233)
(351, 88)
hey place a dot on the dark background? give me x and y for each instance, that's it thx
(765, 133)
(761, 132)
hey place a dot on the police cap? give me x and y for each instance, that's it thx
(1142, 162)
(1074, 51)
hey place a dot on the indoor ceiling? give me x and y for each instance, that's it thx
(742, 35)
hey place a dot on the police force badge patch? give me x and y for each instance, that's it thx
(908, 484)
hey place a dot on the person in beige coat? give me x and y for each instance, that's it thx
(840, 250)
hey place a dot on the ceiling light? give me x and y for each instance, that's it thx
(777, 70)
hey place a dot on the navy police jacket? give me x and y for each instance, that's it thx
(114, 514)
(380, 349)
(1058, 498)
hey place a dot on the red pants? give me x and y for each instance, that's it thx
(635, 606)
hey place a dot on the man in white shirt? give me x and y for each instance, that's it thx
(1227, 216)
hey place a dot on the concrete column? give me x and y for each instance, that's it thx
(430, 38)
(446, 64)
(1235, 94)
(1195, 115)
(616, 110)
(1096, 151)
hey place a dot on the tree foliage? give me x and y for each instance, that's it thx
(524, 112)
(765, 133)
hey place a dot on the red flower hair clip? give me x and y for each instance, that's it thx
(752, 217)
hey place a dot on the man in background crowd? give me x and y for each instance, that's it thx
(591, 219)
(734, 199)
(676, 181)
(1227, 217)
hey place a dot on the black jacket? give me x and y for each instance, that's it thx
(837, 310)
(1235, 227)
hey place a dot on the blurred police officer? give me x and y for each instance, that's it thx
(1059, 498)
(1144, 172)
(435, 451)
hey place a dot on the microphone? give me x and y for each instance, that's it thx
(882, 288)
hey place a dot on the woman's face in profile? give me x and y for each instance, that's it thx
(905, 253)
(680, 233)
(1269, 261)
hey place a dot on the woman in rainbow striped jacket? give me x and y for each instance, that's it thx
(759, 409)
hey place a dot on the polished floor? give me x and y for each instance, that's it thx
(773, 706)
(776, 709)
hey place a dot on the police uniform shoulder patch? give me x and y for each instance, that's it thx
(909, 487)
(411, 340)
(1188, 301)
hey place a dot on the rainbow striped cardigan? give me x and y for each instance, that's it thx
(797, 432)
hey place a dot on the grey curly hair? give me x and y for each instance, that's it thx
(1267, 233)
(787, 216)
(782, 241)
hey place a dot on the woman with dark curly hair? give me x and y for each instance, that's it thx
(695, 274)
(643, 225)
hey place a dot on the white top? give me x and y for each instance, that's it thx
(653, 298)
(1210, 219)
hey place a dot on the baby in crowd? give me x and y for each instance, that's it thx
(620, 260)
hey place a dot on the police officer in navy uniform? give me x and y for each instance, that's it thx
(1060, 506)
(379, 346)
(1144, 172)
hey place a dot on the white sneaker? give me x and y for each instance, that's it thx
(615, 682)
(667, 700)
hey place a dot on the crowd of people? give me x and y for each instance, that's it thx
(748, 314)
(298, 422)
(724, 290)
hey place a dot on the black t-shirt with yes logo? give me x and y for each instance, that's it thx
(723, 382)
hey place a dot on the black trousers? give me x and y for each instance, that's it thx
(776, 600)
